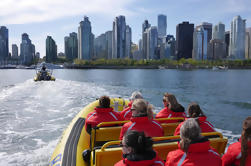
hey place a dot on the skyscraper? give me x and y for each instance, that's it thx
(248, 44)
(86, 40)
(108, 37)
(219, 31)
(207, 27)
(227, 40)
(184, 40)
(162, 25)
(119, 38)
(200, 43)
(237, 38)
(128, 42)
(152, 42)
(26, 50)
(4, 43)
(51, 50)
(14, 51)
(71, 46)
(145, 26)
(100, 46)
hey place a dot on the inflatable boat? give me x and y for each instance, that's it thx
(101, 148)
(44, 76)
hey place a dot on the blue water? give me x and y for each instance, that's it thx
(34, 114)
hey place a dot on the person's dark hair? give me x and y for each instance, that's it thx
(245, 137)
(194, 110)
(173, 101)
(104, 102)
(138, 141)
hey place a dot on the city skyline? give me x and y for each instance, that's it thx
(39, 20)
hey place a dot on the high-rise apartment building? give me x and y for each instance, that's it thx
(152, 42)
(200, 43)
(119, 38)
(85, 40)
(145, 26)
(27, 50)
(184, 40)
(237, 38)
(71, 46)
(248, 44)
(4, 43)
(128, 42)
(162, 25)
(14, 51)
(51, 50)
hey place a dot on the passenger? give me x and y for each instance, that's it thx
(141, 122)
(102, 113)
(239, 153)
(137, 150)
(172, 109)
(127, 113)
(194, 111)
(194, 149)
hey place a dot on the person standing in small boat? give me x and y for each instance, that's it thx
(141, 122)
(102, 113)
(239, 153)
(127, 113)
(137, 150)
(172, 109)
(194, 111)
(194, 149)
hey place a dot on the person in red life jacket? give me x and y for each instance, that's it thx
(102, 113)
(194, 111)
(194, 149)
(141, 122)
(239, 153)
(127, 113)
(137, 150)
(172, 109)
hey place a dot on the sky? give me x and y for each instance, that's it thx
(58, 18)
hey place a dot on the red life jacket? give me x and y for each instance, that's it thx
(102, 115)
(167, 113)
(199, 154)
(151, 128)
(233, 155)
(127, 113)
(156, 161)
(205, 126)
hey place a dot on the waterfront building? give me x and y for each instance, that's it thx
(145, 26)
(14, 51)
(217, 49)
(27, 50)
(227, 40)
(85, 40)
(71, 46)
(207, 27)
(248, 44)
(200, 43)
(184, 40)
(4, 43)
(162, 25)
(51, 50)
(152, 43)
(219, 31)
(237, 38)
(108, 37)
(128, 42)
(167, 47)
(119, 38)
(100, 47)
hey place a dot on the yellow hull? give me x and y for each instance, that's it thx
(52, 79)
(75, 139)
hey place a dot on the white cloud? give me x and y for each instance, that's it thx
(29, 11)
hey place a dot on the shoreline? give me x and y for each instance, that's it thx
(148, 67)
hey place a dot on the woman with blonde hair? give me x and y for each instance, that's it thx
(172, 108)
(239, 153)
(142, 120)
(194, 149)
